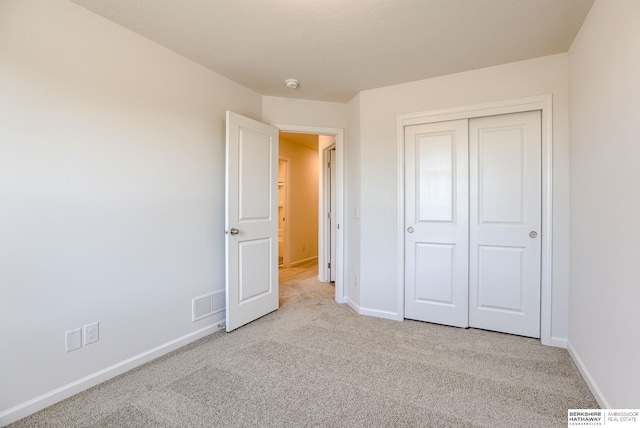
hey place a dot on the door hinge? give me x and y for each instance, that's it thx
(329, 265)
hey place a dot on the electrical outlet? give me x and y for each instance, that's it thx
(91, 333)
(304, 247)
(73, 339)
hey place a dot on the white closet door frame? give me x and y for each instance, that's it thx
(542, 103)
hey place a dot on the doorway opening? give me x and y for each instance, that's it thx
(298, 178)
(322, 193)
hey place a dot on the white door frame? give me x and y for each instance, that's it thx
(542, 103)
(323, 224)
(286, 254)
(329, 163)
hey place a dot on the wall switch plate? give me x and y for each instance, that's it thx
(91, 333)
(73, 339)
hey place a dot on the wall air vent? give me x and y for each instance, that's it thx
(202, 307)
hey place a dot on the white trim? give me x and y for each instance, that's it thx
(541, 102)
(381, 314)
(324, 194)
(352, 304)
(591, 383)
(340, 254)
(477, 110)
(286, 254)
(299, 262)
(45, 400)
(546, 260)
(558, 342)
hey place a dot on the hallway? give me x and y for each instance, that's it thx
(300, 283)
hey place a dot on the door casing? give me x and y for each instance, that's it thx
(330, 199)
(542, 103)
(286, 257)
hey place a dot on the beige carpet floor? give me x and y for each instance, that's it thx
(315, 363)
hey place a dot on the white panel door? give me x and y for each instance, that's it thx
(505, 222)
(436, 222)
(251, 223)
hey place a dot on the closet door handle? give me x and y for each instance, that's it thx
(533, 234)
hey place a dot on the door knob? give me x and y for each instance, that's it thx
(533, 234)
(233, 231)
(410, 229)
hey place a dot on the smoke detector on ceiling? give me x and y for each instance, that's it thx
(291, 83)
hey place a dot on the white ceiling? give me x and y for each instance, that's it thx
(337, 48)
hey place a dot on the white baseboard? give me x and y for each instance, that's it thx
(45, 400)
(299, 262)
(353, 305)
(558, 342)
(380, 314)
(591, 383)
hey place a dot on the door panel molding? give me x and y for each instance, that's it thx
(542, 103)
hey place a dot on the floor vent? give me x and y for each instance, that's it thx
(202, 307)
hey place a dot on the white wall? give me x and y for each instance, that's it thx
(352, 204)
(111, 194)
(604, 63)
(293, 111)
(379, 109)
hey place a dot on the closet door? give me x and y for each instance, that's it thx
(436, 222)
(505, 222)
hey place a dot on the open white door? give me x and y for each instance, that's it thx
(251, 222)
